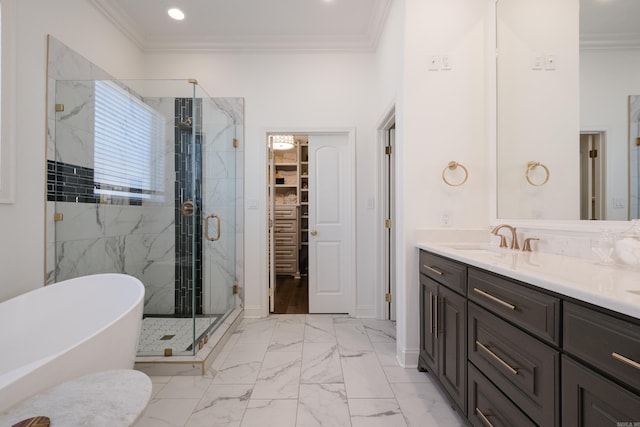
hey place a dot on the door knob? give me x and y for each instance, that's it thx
(314, 232)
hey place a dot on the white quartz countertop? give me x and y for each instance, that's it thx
(616, 287)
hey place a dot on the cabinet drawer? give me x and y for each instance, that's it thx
(589, 399)
(524, 368)
(286, 239)
(287, 266)
(286, 226)
(447, 272)
(534, 311)
(606, 342)
(286, 253)
(286, 212)
(486, 401)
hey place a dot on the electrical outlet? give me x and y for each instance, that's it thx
(445, 218)
(434, 63)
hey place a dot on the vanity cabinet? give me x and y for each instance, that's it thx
(443, 314)
(531, 357)
(601, 368)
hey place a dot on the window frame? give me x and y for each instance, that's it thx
(8, 98)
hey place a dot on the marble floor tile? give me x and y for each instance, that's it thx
(319, 328)
(242, 364)
(259, 331)
(287, 336)
(302, 370)
(181, 387)
(386, 352)
(270, 413)
(323, 405)
(424, 405)
(321, 364)
(351, 336)
(279, 377)
(380, 330)
(364, 377)
(167, 413)
(376, 413)
(222, 405)
(397, 374)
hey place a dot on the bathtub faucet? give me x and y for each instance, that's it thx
(503, 241)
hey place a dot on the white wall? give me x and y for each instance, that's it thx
(607, 78)
(22, 231)
(295, 92)
(444, 118)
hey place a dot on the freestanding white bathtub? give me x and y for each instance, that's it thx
(65, 330)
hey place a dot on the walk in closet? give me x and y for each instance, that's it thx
(289, 189)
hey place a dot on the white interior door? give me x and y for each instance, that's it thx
(331, 255)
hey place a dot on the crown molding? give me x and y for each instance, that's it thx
(359, 43)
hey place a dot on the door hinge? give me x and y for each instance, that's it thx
(59, 108)
(387, 223)
(271, 292)
(235, 289)
(235, 143)
(593, 154)
(388, 298)
(387, 150)
(58, 216)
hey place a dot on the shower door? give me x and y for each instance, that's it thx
(142, 181)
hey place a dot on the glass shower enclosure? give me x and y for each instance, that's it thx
(143, 178)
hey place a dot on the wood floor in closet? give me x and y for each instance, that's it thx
(292, 295)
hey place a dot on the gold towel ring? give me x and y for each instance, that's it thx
(453, 166)
(533, 165)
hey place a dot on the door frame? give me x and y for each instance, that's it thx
(384, 268)
(350, 133)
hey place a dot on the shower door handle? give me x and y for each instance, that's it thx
(206, 228)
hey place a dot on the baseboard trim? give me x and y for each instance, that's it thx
(408, 358)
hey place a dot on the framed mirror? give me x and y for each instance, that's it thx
(568, 72)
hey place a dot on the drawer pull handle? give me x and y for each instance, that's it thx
(439, 273)
(484, 418)
(497, 358)
(494, 299)
(626, 360)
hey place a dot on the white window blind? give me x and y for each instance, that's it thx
(128, 153)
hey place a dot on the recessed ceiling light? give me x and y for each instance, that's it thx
(176, 14)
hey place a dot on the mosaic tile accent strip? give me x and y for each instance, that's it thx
(70, 183)
(187, 187)
(76, 184)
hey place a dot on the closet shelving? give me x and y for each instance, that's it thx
(303, 144)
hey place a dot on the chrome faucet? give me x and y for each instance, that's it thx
(503, 241)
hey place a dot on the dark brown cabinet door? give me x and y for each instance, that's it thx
(590, 400)
(428, 344)
(452, 342)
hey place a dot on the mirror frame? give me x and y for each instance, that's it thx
(585, 226)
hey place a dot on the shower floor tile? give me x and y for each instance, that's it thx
(159, 333)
